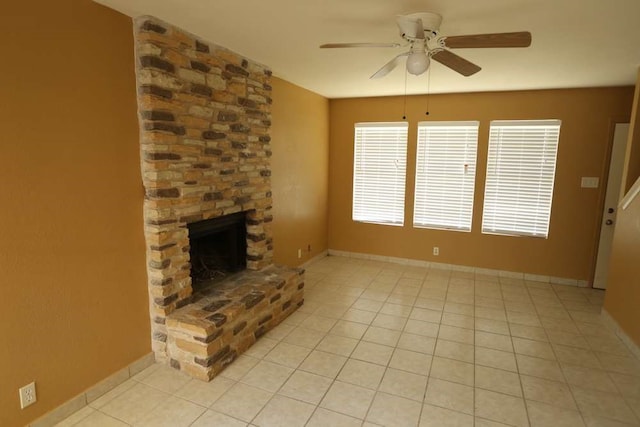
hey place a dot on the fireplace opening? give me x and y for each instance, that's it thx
(218, 248)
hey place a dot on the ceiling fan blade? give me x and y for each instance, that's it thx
(386, 68)
(341, 45)
(519, 39)
(410, 27)
(456, 63)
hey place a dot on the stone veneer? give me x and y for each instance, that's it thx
(205, 115)
(227, 319)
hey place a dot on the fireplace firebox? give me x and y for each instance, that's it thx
(218, 248)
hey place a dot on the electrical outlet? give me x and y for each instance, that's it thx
(436, 250)
(27, 395)
(299, 253)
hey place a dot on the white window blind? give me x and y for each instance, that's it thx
(445, 175)
(379, 170)
(521, 167)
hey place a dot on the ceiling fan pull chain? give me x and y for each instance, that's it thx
(428, 89)
(404, 107)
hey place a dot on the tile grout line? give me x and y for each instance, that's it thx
(333, 379)
(474, 351)
(288, 378)
(414, 298)
(386, 366)
(607, 373)
(429, 377)
(524, 400)
(584, 421)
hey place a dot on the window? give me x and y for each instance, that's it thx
(521, 166)
(379, 169)
(445, 175)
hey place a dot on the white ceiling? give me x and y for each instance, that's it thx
(576, 43)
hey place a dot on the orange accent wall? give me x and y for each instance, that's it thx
(622, 300)
(569, 251)
(72, 257)
(300, 165)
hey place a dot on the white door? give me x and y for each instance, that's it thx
(612, 197)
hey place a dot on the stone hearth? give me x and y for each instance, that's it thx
(228, 318)
(205, 116)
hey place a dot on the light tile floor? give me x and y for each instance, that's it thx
(392, 345)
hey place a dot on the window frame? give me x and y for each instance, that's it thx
(440, 144)
(543, 141)
(373, 204)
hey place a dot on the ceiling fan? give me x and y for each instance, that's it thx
(420, 32)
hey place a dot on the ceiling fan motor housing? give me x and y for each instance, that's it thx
(430, 21)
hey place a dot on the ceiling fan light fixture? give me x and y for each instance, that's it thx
(421, 32)
(417, 63)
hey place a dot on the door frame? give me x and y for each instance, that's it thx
(602, 187)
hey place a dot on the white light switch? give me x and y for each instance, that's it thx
(590, 182)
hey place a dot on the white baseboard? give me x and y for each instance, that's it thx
(316, 258)
(466, 268)
(626, 339)
(92, 393)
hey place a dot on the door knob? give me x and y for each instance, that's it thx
(608, 222)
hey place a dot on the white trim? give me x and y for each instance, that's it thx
(465, 268)
(108, 384)
(563, 281)
(92, 393)
(611, 323)
(537, 278)
(315, 259)
(631, 195)
(511, 274)
(61, 412)
(526, 124)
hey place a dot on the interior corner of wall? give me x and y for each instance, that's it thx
(613, 324)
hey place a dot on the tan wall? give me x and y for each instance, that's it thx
(623, 292)
(569, 252)
(300, 140)
(71, 245)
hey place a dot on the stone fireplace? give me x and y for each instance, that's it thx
(205, 115)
